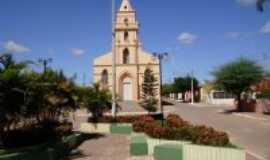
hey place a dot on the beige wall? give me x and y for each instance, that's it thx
(139, 60)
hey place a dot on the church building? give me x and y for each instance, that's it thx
(130, 58)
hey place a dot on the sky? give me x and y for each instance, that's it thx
(199, 35)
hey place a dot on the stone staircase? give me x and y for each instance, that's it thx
(130, 106)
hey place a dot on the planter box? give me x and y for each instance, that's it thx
(95, 128)
(125, 129)
(138, 146)
(198, 152)
(168, 152)
(152, 143)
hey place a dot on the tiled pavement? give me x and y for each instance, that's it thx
(109, 147)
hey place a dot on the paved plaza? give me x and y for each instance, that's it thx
(247, 130)
(107, 147)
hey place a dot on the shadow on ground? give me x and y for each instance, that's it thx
(78, 153)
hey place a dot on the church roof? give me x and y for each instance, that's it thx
(125, 6)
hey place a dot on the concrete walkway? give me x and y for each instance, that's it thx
(106, 147)
(109, 147)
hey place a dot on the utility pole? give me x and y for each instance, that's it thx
(160, 57)
(113, 62)
(84, 77)
(192, 87)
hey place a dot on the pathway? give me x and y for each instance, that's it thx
(109, 147)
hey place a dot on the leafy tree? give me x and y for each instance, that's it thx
(97, 100)
(265, 94)
(12, 85)
(237, 77)
(167, 89)
(183, 84)
(149, 90)
(28, 98)
(261, 5)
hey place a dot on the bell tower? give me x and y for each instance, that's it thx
(126, 35)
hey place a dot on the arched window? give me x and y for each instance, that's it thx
(126, 36)
(126, 21)
(104, 77)
(126, 56)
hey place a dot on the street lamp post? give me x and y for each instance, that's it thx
(113, 62)
(160, 57)
(192, 87)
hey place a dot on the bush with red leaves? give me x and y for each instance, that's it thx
(175, 121)
(143, 123)
(209, 136)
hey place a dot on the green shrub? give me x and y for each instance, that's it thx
(2, 151)
(265, 94)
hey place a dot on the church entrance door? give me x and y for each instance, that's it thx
(127, 89)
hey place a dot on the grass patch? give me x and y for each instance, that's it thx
(2, 151)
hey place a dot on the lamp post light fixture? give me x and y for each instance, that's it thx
(161, 57)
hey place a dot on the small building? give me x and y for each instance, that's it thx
(216, 97)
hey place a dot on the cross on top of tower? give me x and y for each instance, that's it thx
(126, 6)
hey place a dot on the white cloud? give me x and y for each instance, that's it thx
(233, 35)
(187, 38)
(77, 51)
(14, 47)
(246, 2)
(266, 28)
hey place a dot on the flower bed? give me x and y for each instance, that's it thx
(178, 129)
(124, 119)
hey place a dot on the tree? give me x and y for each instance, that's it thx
(167, 89)
(149, 90)
(183, 84)
(97, 100)
(12, 86)
(237, 77)
(260, 5)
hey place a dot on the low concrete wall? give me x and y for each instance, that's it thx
(198, 152)
(95, 128)
(263, 106)
(152, 143)
(221, 101)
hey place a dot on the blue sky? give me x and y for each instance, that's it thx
(200, 35)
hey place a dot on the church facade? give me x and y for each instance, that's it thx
(131, 59)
